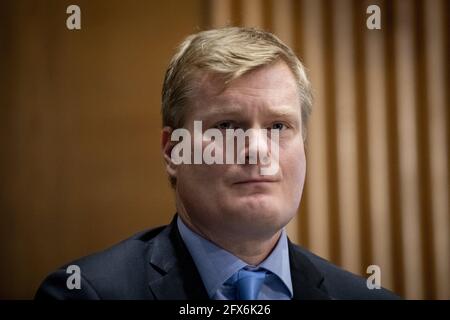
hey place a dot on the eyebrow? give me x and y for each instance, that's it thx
(231, 110)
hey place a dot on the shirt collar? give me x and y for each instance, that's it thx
(217, 265)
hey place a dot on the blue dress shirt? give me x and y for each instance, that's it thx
(217, 265)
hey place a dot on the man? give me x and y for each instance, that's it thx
(227, 240)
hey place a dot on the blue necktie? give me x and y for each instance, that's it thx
(248, 283)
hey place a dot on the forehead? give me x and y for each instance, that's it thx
(270, 86)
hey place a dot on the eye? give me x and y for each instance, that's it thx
(278, 126)
(224, 125)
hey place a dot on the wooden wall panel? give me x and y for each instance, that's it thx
(80, 166)
(377, 176)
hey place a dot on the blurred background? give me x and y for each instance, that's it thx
(80, 163)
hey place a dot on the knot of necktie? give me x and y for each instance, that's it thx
(248, 283)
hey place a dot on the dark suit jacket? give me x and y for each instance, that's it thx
(156, 264)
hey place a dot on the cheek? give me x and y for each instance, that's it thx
(199, 176)
(293, 166)
(210, 172)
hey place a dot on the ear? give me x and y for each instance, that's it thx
(166, 147)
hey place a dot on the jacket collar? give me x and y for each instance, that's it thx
(173, 275)
(307, 280)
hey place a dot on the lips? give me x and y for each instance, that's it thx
(255, 181)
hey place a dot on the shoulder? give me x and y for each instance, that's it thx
(342, 284)
(119, 271)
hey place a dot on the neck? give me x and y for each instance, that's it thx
(252, 251)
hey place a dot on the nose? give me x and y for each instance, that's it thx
(257, 149)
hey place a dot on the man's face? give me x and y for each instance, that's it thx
(234, 200)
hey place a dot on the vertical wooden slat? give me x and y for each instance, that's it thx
(408, 157)
(267, 14)
(330, 121)
(282, 21)
(346, 136)
(438, 146)
(303, 237)
(388, 23)
(252, 13)
(312, 25)
(283, 27)
(220, 11)
(392, 107)
(378, 158)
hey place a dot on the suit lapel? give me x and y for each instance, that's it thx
(173, 273)
(307, 281)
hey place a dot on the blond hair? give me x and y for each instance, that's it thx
(228, 52)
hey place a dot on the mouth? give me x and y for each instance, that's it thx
(255, 181)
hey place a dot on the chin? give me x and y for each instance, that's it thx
(261, 213)
(263, 227)
(259, 204)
